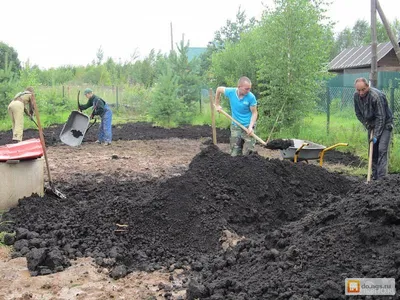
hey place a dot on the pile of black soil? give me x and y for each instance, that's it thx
(304, 228)
(344, 158)
(356, 235)
(279, 144)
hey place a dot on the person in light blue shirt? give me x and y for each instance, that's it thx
(244, 110)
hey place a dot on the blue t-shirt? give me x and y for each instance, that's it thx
(241, 107)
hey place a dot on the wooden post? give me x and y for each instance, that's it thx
(172, 39)
(201, 100)
(392, 99)
(373, 77)
(116, 96)
(214, 130)
(389, 31)
(328, 109)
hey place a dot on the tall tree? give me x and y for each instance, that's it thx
(13, 62)
(295, 52)
(166, 106)
(232, 31)
(100, 55)
(7, 79)
(360, 35)
(228, 34)
(360, 30)
(343, 41)
(238, 60)
(187, 73)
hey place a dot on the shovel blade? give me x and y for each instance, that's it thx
(53, 191)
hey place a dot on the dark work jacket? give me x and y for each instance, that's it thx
(98, 105)
(373, 111)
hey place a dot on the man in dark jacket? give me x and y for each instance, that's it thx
(372, 110)
(100, 108)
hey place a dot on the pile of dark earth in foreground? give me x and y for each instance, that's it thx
(302, 229)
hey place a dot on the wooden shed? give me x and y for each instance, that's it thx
(356, 62)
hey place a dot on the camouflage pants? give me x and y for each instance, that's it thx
(240, 142)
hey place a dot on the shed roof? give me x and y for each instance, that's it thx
(358, 57)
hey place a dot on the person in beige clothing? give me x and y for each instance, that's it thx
(21, 103)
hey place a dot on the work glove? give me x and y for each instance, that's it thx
(373, 140)
(91, 116)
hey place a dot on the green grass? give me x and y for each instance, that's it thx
(205, 119)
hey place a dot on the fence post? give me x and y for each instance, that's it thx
(328, 109)
(214, 129)
(201, 98)
(392, 99)
(116, 96)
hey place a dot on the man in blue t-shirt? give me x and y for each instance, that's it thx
(244, 110)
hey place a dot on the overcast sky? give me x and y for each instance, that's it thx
(52, 33)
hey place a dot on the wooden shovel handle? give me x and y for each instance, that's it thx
(41, 136)
(371, 149)
(241, 126)
(77, 98)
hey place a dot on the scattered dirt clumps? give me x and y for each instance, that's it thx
(353, 235)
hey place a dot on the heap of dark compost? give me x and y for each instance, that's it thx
(304, 229)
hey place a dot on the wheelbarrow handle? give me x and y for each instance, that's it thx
(91, 124)
(241, 126)
(79, 109)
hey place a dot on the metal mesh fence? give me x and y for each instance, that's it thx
(332, 99)
(337, 99)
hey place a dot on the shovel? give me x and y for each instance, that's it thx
(53, 190)
(371, 149)
(241, 126)
(33, 120)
